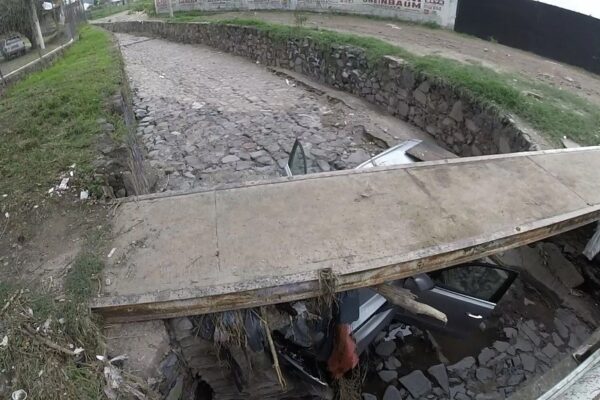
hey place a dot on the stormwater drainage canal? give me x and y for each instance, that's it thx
(206, 118)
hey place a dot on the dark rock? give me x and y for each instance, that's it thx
(457, 112)
(358, 157)
(484, 374)
(515, 379)
(257, 154)
(388, 376)
(530, 333)
(485, 356)
(550, 350)
(498, 359)
(230, 159)
(461, 368)
(416, 383)
(392, 363)
(385, 348)
(368, 396)
(440, 375)
(510, 332)
(560, 266)
(558, 342)
(176, 391)
(454, 390)
(582, 332)
(323, 165)
(523, 345)
(543, 358)
(243, 165)
(391, 393)
(501, 346)
(562, 330)
(265, 160)
(574, 342)
(528, 362)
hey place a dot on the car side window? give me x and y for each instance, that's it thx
(297, 160)
(482, 282)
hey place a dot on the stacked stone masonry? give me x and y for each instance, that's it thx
(459, 121)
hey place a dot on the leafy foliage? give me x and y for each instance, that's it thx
(15, 16)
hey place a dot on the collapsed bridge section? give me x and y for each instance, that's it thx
(264, 243)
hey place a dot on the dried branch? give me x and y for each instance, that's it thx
(32, 334)
(406, 299)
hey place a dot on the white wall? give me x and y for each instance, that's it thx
(442, 12)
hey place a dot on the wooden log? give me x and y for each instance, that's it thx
(405, 299)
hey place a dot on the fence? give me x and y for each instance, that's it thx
(540, 28)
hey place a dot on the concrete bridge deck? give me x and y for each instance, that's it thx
(264, 243)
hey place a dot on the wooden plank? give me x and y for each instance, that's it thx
(266, 243)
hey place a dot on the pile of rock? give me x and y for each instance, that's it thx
(526, 349)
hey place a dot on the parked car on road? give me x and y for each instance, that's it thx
(12, 47)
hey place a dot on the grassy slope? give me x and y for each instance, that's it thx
(49, 119)
(558, 113)
(49, 122)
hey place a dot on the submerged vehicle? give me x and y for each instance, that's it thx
(320, 340)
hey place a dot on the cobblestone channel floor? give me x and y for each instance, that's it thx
(207, 117)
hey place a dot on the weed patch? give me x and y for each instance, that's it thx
(50, 119)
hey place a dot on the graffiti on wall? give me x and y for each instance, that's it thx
(440, 11)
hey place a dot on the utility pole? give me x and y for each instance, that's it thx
(36, 25)
(170, 8)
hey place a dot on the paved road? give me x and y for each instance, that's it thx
(207, 117)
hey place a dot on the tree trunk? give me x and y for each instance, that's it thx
(36, 25)
(31, 36)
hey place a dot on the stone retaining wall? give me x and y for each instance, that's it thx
(454, 117)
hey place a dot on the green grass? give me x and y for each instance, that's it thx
(108, 10)
(558, 113)
(49, 119)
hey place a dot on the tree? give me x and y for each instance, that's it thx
(15, 16)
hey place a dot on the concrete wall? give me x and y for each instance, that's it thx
(453, 116)
(442, 12)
